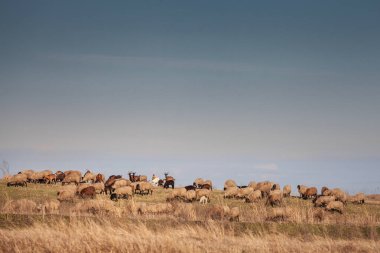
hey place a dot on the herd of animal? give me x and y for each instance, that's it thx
(89, 184)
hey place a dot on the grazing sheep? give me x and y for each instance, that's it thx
(190, 187)
(122, 192)
(265, 187)
(252, 184)
(66, 195)
(99, 187)
(203, 200)
(322, 201)
(191, 195)
(301, 190)
(287, 190)
(209, 183)
(72, 176)
(18, 180)
(275, 187)
(88, 192)
(177, 193)
(310, 193)
(244, 192)
(198, 182)
(275, 198)
(359, 198)
(229, 183)
(203, 192)
(231, 192)
(323, 189)
(253, 197)
(335, 206)
(80, 187)
(339, 194)
(206, 186)
(120, 182)
(89, 177)
(49, 179)
(144, 188)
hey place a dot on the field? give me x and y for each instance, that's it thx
(186, 227)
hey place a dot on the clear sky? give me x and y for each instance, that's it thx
(274, 90)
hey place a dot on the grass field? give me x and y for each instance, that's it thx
(187, 227)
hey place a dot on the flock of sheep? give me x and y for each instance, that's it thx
(90, 184)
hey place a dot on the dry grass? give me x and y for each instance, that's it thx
(103, 225)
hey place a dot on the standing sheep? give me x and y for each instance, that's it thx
(335, 206)
(275, 198)
(287, 190)
(253, 197)
(229, 183)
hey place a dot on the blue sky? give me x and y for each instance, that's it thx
(284, 91)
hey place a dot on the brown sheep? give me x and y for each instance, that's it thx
(253, 197)
(88, 192)
(72, 176)
(275, 198)
(310, 193)
(252, 184)
(339, 194)
(301, 190)
(287, 190)
(66, 195)
(244, 192)
(18, 180)
(335, 206)
(100, 178)
(358, 198)
(177, 193)
(231, 192)
(324, 188)
(49, 179)
(265, 187)
(276, 187)
(80, 187)
(99, 187)
(144, 188)
(209, 183)
(122, 192)
(229, 183)
(120, 182)
(198, 182)
(322, 201)
(89, 177)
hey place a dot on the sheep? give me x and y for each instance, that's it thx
(203, 192)
(287, 190)
(198, 182)
(203, 200)
(49, 179)
(122, 192)
(252, 184)
(275, 198)
(339, 194)
(89, 177)
(72, 176)
(66, 195)
(231, 192)
(253, 196)
(80, 187)
(229, 183)
(120, 182)
(99, 187)
(310, 193)
(88, 192)
(191, 195)
(39, 176)
(18, 180)
(218, 212)
(265, 187)
(209, 183)
(244, 192)
(335, 206)
(275, 187)
(322, 201)
(144, 188)
(177, 193)
(323, 189)
(358, 198)
(301, 190)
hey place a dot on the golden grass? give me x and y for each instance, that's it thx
(103, 225)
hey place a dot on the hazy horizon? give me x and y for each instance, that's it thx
(281, 91)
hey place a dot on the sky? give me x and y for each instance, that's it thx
(286, 91)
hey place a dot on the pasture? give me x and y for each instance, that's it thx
(105, 225)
